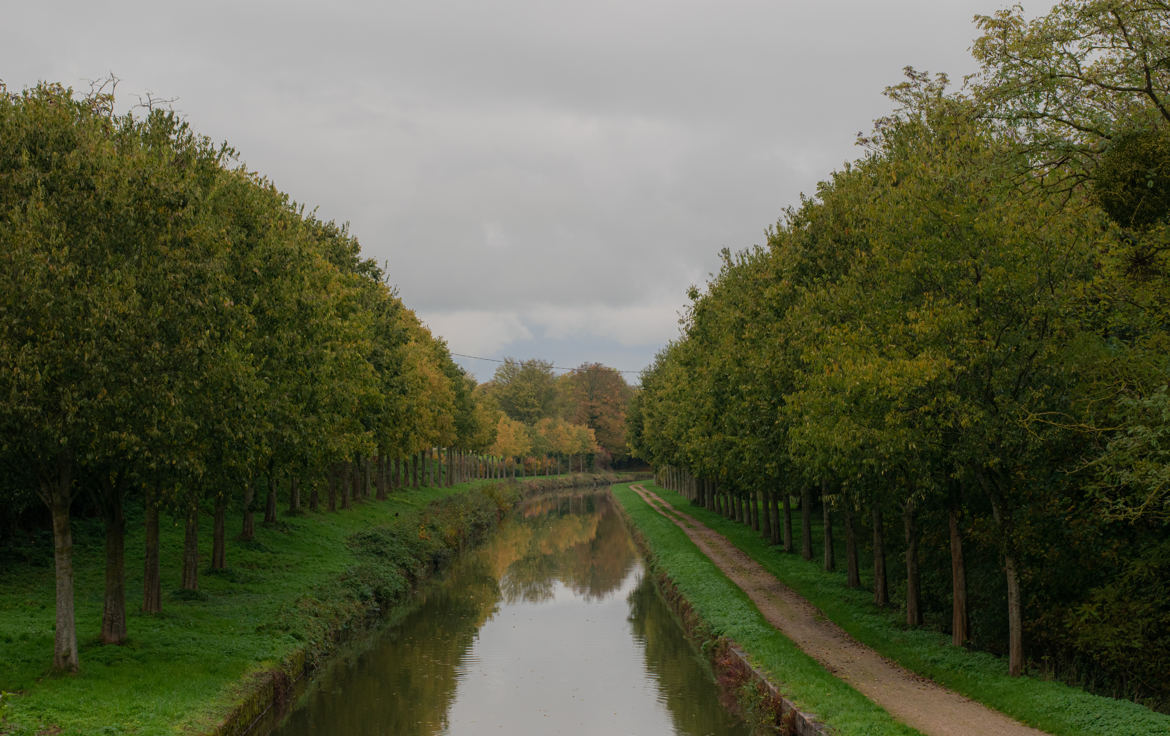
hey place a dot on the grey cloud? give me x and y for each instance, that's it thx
(530, 168)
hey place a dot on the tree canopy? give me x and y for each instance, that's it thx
(966, 326)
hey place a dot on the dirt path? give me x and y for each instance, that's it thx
(910, 698)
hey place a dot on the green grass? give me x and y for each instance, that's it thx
(182, 672)
(729, 612)
(1053, 707)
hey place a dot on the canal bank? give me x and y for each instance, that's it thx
(721, 612)
(394, 564)
(745, 688)
(217, 657)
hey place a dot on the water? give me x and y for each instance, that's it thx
(553, 627)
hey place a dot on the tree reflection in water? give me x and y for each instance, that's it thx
(528, 634)
(578, 540)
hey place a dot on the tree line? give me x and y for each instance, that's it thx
(178, 334)
(544, 418)
(965, 330)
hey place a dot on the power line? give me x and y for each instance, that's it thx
(497, 360)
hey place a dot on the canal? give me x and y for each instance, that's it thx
(552, 627)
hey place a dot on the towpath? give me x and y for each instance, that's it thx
(910, 698)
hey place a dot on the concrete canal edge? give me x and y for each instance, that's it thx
(750, 690)
(265, 696)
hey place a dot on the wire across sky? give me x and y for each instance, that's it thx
(498, 360)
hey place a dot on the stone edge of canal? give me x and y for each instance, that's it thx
(266, 696)
(748, 689)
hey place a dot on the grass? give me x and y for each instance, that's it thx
(1056, 708)
(730, 613)
(298, 584)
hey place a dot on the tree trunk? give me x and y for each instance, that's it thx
(331, 488)
(881, 590)
(294, 495)
(249, 530)
(960, 625)
(414, 459)
(827, 518)
(753, 510)
(56, 491)
(853, 571)
(380, 478)
(114, 609)
(151, 575)
(765, 518)
(1015, 618)
(344, 483)
(218, 544)
(774, 516)
(913, 595)
(191, 549)
(787, 521)
(1015, 614)
(315, 496)
(270, 503)
(806, 550)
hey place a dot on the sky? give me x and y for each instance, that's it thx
(541, 179)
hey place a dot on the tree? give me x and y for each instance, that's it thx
(65, 302)
(1076, 79)
(92, 212)
(512, 438)
(526, 390)
(597, 397)
(1087, 89)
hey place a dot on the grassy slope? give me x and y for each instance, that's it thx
(1053, 707)
(181, 671)
(730, 613)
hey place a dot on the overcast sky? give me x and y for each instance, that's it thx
(544, 179)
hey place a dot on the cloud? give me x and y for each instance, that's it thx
(477, 332)
(525, 168)
(628, 325)
(490, 333)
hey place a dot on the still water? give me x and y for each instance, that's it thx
(552, 627)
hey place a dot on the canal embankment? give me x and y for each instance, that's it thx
(1054, 707)
(723, 620)
(216, 660)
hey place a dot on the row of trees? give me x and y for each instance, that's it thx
(579, 414)
(177, 334)
(175, 331)
(966, 327)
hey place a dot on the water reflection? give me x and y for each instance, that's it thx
(550, 628)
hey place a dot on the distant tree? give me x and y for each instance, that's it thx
(597, 397)
(526, 390)
(512, 439)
